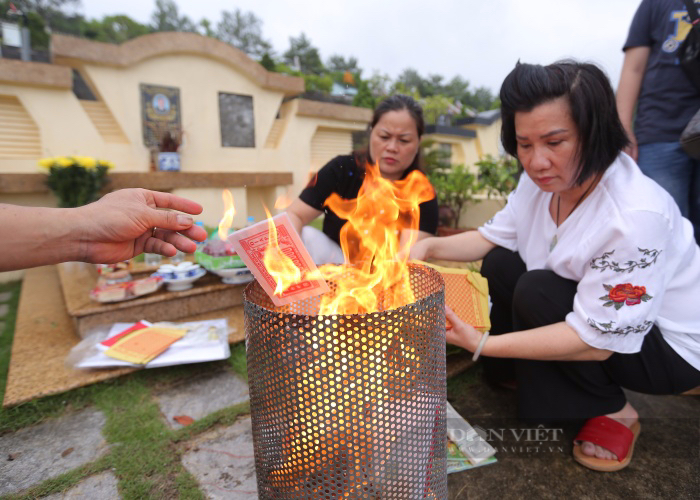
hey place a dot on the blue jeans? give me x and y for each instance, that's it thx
(677, 173)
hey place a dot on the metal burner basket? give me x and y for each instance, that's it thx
(349, 406)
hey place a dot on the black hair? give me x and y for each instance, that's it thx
(601, 136)
(398, 102)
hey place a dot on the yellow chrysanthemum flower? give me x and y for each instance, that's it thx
(46, 162)
(63, 161)
(86, 162)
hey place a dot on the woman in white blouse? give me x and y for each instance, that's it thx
(589, 261)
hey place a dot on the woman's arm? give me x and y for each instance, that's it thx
(300, 213)
(116, 228)
(552, 342)
(414, 235)
(467, 247)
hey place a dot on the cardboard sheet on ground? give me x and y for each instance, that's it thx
(45, 326)
(251, 243)
(467, 294)
(200, 341)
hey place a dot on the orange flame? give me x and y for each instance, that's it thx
(282, 269)
(229, 211)
(370, 240)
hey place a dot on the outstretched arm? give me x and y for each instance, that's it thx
(301, 214)
(552, 342)
(117, 227)
(465, 247)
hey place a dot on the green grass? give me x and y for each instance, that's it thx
(317, 223)
(8, 331)
(145, 454)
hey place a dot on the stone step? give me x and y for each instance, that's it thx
(35, 454)
(222, 462)
(100, 486)
(201, 396)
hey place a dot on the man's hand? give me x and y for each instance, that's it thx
(120, 226)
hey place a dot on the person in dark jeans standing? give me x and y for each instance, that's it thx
(653, 83)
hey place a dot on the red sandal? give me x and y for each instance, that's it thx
(611, 435)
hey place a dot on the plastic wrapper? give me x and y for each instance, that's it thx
(204, 341)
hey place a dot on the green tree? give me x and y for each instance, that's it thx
(454, 189)
(409, 80)
(498, 176)
(364, 97)
(338, 64)
(243, 30)
(435, 159)
(481, 99)
(55, 13)
(114, 29)
(38, 36)
(167, 17)
(379, 84)
(455, 88)
(267, 62)
(434, 106)
(206, 29)
(301, 50)
(317, 83)
(35, 16)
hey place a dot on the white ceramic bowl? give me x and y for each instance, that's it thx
(234, 276)
(178, 284)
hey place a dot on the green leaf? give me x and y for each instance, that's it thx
(618, 305)
(608, 287)
(609, 304)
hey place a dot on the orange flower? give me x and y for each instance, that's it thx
(627, 293)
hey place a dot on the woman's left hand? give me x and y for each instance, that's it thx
(461, 334)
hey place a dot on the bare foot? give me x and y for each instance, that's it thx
(627, 416)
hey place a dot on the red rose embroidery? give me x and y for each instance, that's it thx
(626, 293)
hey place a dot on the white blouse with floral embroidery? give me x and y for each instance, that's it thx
(632, 253)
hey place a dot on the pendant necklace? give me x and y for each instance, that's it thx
(555, 240)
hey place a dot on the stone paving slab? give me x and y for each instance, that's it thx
(32, 455)
(202, 395)
(100, 486)
(5, 296)
(4, 309)
(222, 462)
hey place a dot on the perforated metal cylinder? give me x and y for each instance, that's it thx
(349, 406)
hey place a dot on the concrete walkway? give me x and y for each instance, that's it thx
(665, 464)
(532, 462)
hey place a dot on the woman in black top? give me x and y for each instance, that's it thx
(394, 143)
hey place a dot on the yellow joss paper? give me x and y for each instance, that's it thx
(467, 294)
(143, 345)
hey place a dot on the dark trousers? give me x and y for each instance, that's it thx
(554, 390)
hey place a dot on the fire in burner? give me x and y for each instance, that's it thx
(350, 405)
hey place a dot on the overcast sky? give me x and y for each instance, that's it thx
(481, 40)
